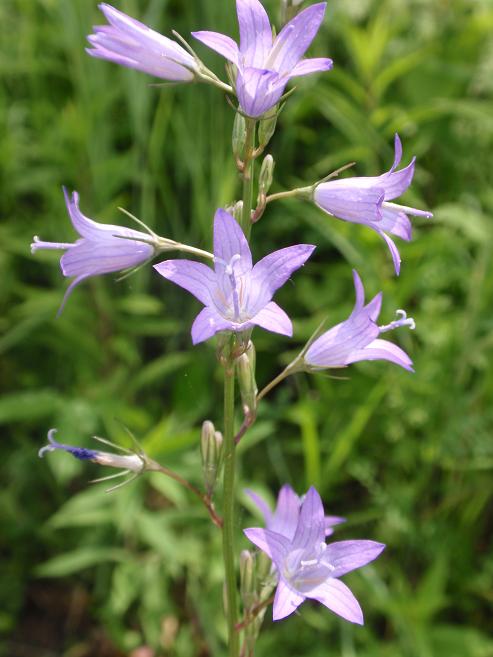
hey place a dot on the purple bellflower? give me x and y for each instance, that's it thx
(284, 519)
(357, 339)
(130, 462)
(236, 294)
(265, 65)
(130, 43)
(103, 248)
(308, 567)
(366, 201)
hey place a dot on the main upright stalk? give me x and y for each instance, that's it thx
(228, 509)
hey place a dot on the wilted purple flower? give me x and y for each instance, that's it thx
(308, 567)
(132, 44)
(284, 520)
(365, 201)
(236, 294)
(131, 462)
(264, 64)
(103, 248)
(357, 337)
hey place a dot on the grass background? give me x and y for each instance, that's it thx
(407, 458)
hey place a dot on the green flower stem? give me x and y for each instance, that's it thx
(229, 508)
(301, 192)
(246, 216)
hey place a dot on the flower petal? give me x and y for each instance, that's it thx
(222, 44)
(374, 306)
(396, 182)
(314, 65)
(351, 199)
(89, 258)
(195, 277)
(259, 90)
(394, 252)
(331, 521)
(382, 350)
(310, 529)
(287, 511)
(207, 323)
(229, 243)
(335, 595)
(255, 32)
(273, 318)
(294, 39)
(395, 222)
(344, 556)
(271, 272)
(262, 506)
(286, 601)
(274, 545)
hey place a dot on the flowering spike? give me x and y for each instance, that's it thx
(367, 201)
(308, 568)
(265, 64)
(356, 338)
(236, 295)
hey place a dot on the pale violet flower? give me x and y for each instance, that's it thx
(236, 294)
(130, 462)
(357, 339)
(284, 519)
(130, 43)
(366, 201)
(309, 568)
(101, 249)
(266, 64)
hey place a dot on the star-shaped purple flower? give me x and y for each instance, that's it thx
(310, 568)
(130, 43)
(236, 294)
(103, 248)
(284, 520)
(357, 339)
(366, 201)
(264, 64)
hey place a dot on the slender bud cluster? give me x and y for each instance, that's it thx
(211, 442)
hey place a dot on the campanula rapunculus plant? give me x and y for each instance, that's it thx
(284, 519)
(265, 63)
(308, 567)
(236, 294)
(130, 43)
(101, 249)
(356, 338)
(363, 200)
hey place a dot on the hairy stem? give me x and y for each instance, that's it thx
(229, 509)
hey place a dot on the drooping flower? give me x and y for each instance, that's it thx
(356, 338)
(130, 43)
(309, 568)
(365, 200)
(103, 248)
(284, 519)
(236, 294)
(265, 65)
(130, 462)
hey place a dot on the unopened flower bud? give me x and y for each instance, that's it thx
(267, 127)
(246, 378)
(266, 175)
(247, 579)
(237, 211)
(210, 449)
(239, 137)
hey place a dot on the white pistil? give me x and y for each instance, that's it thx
(403, 321)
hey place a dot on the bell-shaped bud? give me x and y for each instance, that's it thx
(211, 442)
(266, 176)
(239, 137)
(267, 127)
(245, 365)
(248, 587)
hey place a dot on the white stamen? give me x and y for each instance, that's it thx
(308, 562)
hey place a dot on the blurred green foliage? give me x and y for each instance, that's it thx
(407, 458)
